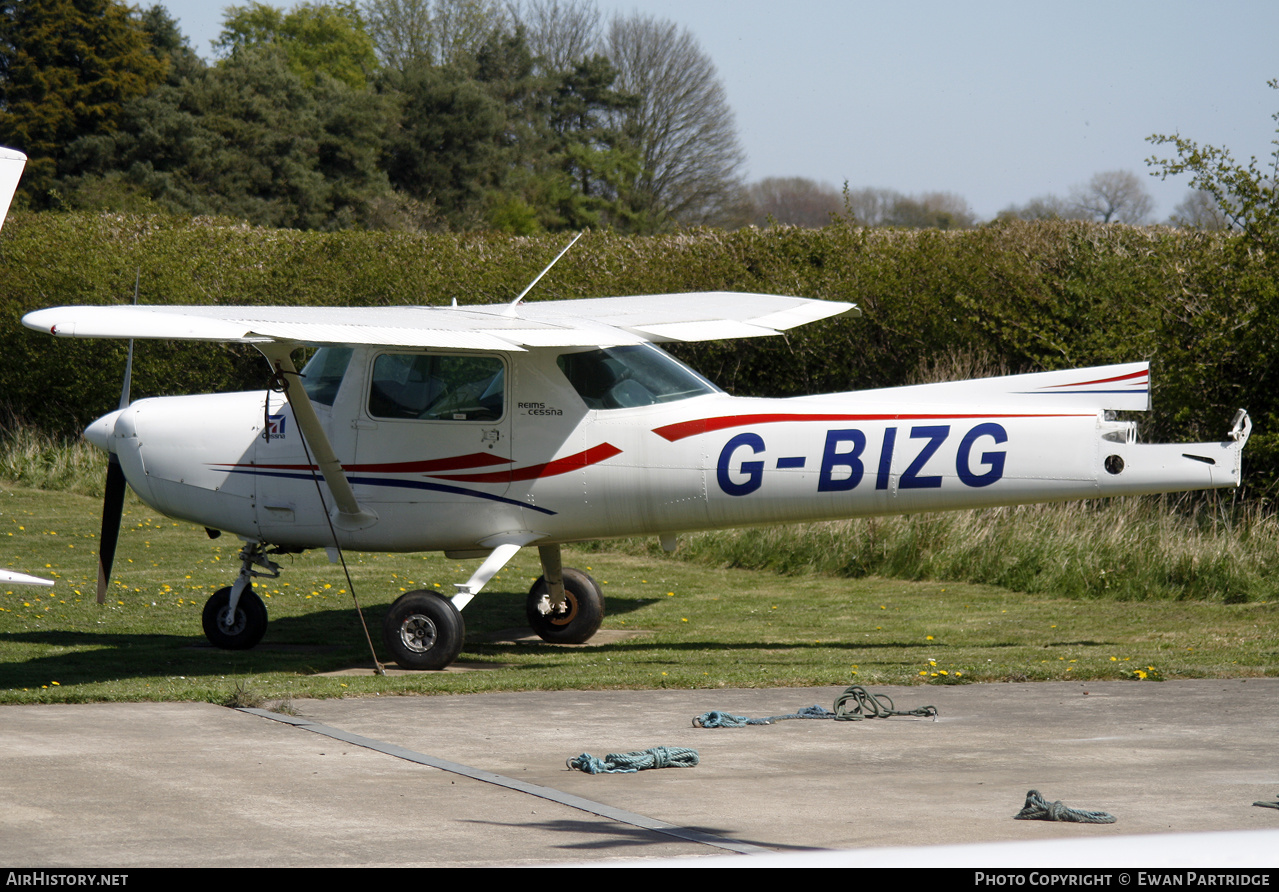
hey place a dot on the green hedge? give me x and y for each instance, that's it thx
(1017, 296)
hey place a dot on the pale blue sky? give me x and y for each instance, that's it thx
(997, 101)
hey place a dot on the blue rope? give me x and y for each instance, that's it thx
(855, 704)
(715, 719)
(1039, 809)
(627, 763)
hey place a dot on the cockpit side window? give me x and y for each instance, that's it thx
(437, 387)
(322, 375)
(634, 375)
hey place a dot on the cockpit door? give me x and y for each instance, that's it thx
(434, 426)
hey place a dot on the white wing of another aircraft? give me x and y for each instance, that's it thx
(697, 316)
(11, 163)
(12, 578)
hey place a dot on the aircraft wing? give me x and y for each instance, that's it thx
(611, 321)
(12, 578)
(11, 163)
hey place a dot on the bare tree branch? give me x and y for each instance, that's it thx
(1115, 196)
(683, 125)
(560, 34)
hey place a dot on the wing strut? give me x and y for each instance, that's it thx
(351, 515)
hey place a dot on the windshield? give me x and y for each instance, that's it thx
(624, 377)
(322, 376)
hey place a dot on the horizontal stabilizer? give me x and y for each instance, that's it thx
(1119, 387)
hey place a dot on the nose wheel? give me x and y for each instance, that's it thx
(240, 629)
(243, 626)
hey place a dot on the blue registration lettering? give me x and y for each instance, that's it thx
(993, 460)
(886, 458)
(754, 470)
(936, 435)
(833, 457)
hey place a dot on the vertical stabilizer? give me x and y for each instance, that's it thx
(11, 163)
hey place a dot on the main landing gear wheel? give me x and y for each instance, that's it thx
(577, 620)
(423, 630)
(239, 632)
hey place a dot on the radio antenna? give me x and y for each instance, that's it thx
(515, 303)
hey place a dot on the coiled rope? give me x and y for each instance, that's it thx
(1039, 809)
(626, 763)
(855, 704)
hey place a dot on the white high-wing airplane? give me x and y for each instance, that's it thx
(481, 430)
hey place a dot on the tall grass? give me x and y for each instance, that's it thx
(1125, 549)
(40, 461)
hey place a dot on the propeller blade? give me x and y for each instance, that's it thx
(113, 499)
(112, 509)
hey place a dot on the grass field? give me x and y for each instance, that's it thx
(675, 623)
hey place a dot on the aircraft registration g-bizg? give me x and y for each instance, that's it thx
(481, 430)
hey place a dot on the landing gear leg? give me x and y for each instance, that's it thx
(565, 606)
(234, 617)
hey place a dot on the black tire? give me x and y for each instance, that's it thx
(423, 630)
(244, 631)
(581, 617)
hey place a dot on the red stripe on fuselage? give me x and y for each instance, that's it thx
(1145, 373)
(594, 455)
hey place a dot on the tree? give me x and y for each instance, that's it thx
(66, 69)
(1113, 196)
(170, 45)
(245, 138)
(315, 37)
(560, 35)
(1233, 314)
(1199, 210)
(411, 33)
(869, 207)
(794, 201)
(597, 161)
(931, 210)
(1044, 207)
(448, 150)
(682, 125)
(1246, 195)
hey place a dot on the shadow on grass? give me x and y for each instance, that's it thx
(319, 641)
(330, 640)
